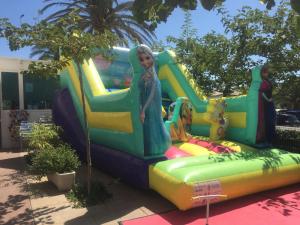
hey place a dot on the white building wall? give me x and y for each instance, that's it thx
(16, 66)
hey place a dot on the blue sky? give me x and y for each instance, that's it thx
(204, 21)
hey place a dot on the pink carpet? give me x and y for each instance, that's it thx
(275, 207)
(174, 152)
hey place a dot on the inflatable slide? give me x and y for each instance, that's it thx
(210, 159)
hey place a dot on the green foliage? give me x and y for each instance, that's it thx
(187, 30)
(209, 4)
(288, 93)
(158, 46)
(44, 53)
(156, 11)
(268, 35)
(288, 134)
(66, 35)
(61, 159)
(295, 4)
(223, 62)
(269, 3)
(78, 195)
(288, 140)
(44, 136)
(206, 60)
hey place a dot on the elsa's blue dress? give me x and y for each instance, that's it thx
(156, 138)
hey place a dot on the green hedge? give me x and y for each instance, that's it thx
(288, 140)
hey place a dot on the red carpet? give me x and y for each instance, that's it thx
(275, 207)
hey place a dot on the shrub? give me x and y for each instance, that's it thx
(79, 196)
(61, 159)
(288, 140)
(44, 136)
(288, 134)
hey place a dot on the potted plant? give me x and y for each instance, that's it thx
(58, 164)
(44, 136)
(41, 136)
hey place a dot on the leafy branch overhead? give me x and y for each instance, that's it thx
(222, 62)
(156, 11)
(74, 44)
(65, 35)
(101, 15)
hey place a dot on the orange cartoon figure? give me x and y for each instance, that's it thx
(180, 113)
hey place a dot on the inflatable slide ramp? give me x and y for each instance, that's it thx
(236, 174)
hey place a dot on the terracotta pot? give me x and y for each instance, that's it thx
(63, 181)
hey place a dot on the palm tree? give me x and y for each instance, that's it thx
(101, 15)
(44, 53)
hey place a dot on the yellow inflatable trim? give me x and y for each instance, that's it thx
(165, 73)
(93, 78)
(95, 81)
(189, 78)
(181, 193)
(168, 186)
(118, 121)
(237, 119)
(199, 118)
(252, 182)
(193, 149)
(236, 146)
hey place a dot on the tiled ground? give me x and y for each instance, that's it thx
(15, 205)
(48, 206)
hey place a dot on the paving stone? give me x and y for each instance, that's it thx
(15, 207)
(49, 206)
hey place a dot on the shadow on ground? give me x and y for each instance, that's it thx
(13, 204)
(14, 201)
(127, 202)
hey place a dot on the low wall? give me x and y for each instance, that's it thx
(7, 142)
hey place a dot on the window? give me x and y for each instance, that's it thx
(10, 91)
(39, 91)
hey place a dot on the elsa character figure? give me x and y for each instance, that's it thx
(156, 137)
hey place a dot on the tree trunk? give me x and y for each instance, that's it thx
(86, 131)
(227, 91)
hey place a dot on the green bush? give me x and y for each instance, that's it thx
(79, 196)
(61, 159)
(288, 140)
(288, 134)
(44, 136)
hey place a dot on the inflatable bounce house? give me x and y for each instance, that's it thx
(210, 148)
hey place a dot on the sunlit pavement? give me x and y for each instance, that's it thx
(15, 207)
(46, 205)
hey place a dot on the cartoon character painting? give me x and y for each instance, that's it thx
(216, 117)
(180, 128)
